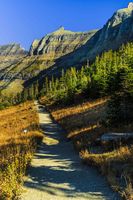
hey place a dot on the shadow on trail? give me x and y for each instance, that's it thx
(57, 169)
(44, 177)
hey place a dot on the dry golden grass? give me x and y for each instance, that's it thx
(14, 120)
(13, 88)
(16, 147)
(82, 122)
(83, 125)
(116, 165)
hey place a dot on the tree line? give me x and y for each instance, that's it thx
(111, 74)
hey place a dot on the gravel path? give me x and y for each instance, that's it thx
(56, 172)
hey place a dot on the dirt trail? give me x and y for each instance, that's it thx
(56, 172)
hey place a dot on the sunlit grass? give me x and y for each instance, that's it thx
(19, 135)
(83, 125)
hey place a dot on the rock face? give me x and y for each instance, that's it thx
(78, 47)
(11, 49)
(63, 49)
(130, 5)
(59, 43)
(117, 31)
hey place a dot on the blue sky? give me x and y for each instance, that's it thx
(22, 21)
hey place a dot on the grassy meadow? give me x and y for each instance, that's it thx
(16, 146)
(82, 123)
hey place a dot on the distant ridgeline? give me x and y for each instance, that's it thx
(59, 50)
(12, 49)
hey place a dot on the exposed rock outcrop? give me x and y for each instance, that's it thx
(78, 47)
(130, 5)
(63, 49)
(59, 43)
(117, 31)
(12, 49)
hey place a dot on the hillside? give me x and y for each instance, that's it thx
(117, 31)
(63, 49)
(77, 89)
(12, 49)
(90, 121)
(59, 43)
(17, 65)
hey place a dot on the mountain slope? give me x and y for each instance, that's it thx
(63, 49)
(16, 64)
(118, 30)
(12, 49)
(59, 43)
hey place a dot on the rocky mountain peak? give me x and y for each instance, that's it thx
(59, 43)
(121, 15)
(130, 5)
(61, 28)
(62, 31)
(117, 31)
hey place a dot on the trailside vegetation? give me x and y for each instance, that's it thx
(19, 136)
(110, 75)
(105, 94)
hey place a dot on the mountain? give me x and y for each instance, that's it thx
(117, 31)
(59, 43)
(12, 49)
(63, 49)
(16, 65)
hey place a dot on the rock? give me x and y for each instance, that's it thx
(117, 31)
(63, 49)
(130, 5)
(12, 49)
(59, 43)
(108, 137)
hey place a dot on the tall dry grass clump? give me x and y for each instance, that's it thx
(82, 122)
(19, 135)
(83, 125)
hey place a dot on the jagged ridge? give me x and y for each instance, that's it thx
(117, 31)
(12, 49)
(59, 43)
(63, 49)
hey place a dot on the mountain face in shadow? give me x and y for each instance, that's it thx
(63, 49)
(117, 31)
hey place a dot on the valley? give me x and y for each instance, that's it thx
(57, 102)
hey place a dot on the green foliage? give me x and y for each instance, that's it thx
(63, 89)
(100, 79)
(120, 107)
(110, 75)
(105, 69)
